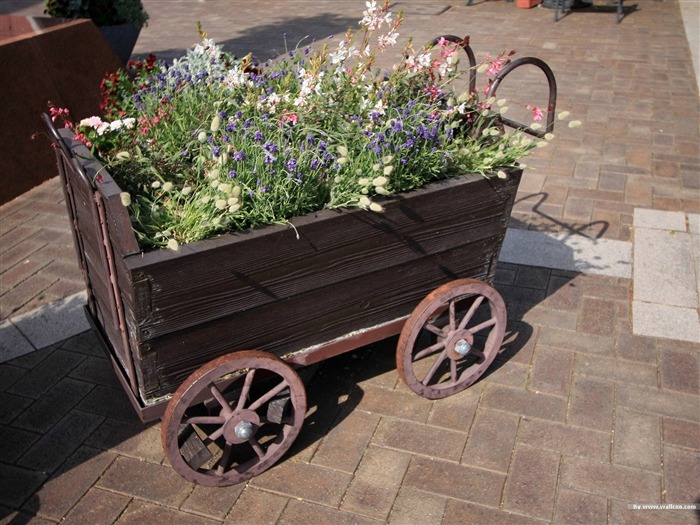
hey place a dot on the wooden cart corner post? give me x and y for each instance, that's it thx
(208, 337)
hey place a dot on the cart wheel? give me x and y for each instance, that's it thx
(451, 338)
(233, 418)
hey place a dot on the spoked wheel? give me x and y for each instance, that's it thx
(451, 338)
(233, 418)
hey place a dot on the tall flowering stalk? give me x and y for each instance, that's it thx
(213, 143)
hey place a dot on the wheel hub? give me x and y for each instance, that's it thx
(241, 426)
(459, 344)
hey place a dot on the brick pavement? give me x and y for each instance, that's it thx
(577, 419)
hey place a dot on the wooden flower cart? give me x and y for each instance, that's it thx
(209, 337)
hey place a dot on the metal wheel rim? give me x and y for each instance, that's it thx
(439, 301)
(209, 374)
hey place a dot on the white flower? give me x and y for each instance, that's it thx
(376, 207)
(155, 184)
(167, 186)
(125, 198)
(186, 190)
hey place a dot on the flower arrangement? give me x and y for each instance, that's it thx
(101, 12)
(212, 143)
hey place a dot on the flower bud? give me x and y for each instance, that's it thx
(126, 198)
(167, 186)
(202, 137)
(380, 181)
(215, 123)
(173, 245)
(376, 207)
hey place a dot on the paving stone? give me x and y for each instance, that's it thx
(420, 439)
(551, 371)
(680, 370)
(18, 484)
(67, 486)
(342, 450)
(637, 348)
(50, 408)
(586, 343)
(457, 411)
(660, 402)
(616, 370)
(147, 481)
(97, 506)
(539, 315)
(580, 508)
(414, 506)
(9, 375)
(376, 483)
(532, 482)
(135, 440)
(109, 403)
(637, 440)
(308, 482)
(455, 481)
(508, 373)
(15, 442)
(612, 481)
(681, 475)
(463, 513)
(681, 433)
(491, 440)
(525, 403)
(256, 506)
(46, 374)
(59, 443)
(305, 512)
(659, 220)
(216, 503)
(12, 342)
(403, 405)
(592, 404)
(11, 406)
(565, 439)
(673, 322)
(597, 316)
(140, 512)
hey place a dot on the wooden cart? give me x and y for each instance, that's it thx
(209, 337)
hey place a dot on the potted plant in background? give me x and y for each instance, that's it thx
(120, 21)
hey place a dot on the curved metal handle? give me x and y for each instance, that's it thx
(552, 93)
(464, 44)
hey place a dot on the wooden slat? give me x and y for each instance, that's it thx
(248, 271)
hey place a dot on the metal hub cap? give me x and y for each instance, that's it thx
(244, 430)
(462, 347)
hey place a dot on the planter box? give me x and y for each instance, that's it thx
(163, 313)
(526, 4)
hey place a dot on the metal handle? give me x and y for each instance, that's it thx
(552, 93)
(464, 44)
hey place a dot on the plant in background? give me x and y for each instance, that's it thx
(212, 143)
(101, 12)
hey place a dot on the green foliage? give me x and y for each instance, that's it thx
(101, 12)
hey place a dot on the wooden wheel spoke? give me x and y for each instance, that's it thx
(226, 408)
(483, 325)
(223, 460)
(430, 327)
(205, 420)
(434, 368)
(429, 350)
(453, 370)
(478, 354)
(269, 395)
(257, 448)
(215, 435)
(453, 321)
(470, 313)
(246, 389)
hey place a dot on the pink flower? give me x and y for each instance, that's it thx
(289, 117)
(537, 113)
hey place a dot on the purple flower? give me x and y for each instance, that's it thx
(216, 150)
(239, 156)
(258, 136)
(233, 174)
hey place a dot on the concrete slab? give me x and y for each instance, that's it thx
(568, 252)
(669, 322)
(54, 322)
(664, 272)
(659, 220)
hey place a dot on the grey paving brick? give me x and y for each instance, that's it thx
(139, 512)
(146, 481)
(46, 374)
(491, 440)
(415, 506)
(18, 484)
(456, 412)
(532, 482)
(551, 371)
(304, 512)
(420, 439)
(681, 433)
(404, 405)
(342, 450)
(680, 370)
(566, 439)
(67, 486)
(617, 370)
(681, 474)
(308, 482)
(217, 503)
(592, 404)
(525, 403)
(97, 506)
(660, 402)
(256, 506)
(455, 481)
(637, 440)
(463, 513)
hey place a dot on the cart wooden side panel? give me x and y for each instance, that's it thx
(347, 271)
